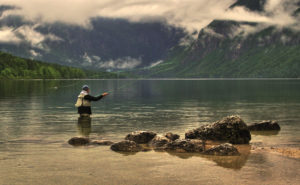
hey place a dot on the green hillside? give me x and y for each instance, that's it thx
(261, 55)
(277, 61)
(12, 67)
(231, 49)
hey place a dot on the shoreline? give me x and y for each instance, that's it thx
(166, 79)
(290, 152)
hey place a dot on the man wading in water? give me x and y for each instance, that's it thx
(84, 101)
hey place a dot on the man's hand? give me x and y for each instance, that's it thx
(105, 94)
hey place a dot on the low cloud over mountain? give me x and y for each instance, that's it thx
(128, 33)
(190, 14)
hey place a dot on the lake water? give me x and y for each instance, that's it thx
(38, 117)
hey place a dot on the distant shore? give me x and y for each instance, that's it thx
(225, 79)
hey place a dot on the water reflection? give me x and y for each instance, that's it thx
(37, 116)
(266, 133)
(84, 126)
(232, 162)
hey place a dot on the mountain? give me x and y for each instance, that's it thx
(224, 48)
(105, 44)
(236, 49)
(12, 67)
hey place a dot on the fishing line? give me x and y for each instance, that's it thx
(122, 87)
(64, 86)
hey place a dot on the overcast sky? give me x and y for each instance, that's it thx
(189, 14)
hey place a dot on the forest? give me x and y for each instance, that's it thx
(12, 67)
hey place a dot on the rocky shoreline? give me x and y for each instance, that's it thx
(218, 138)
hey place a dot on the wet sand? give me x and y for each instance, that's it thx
(63, 164)
(287, 152)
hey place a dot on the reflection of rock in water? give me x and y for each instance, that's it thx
(233, 162)
(181, 155)
(84, 126)
(265, 133)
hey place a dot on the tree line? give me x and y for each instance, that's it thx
(12, 67)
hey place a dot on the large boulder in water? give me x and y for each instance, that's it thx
(140, 137)
(225, 149)
(185, 145)
(172, 136)
(264, 125)
(79, 141)
(231, 129)
(126, 146)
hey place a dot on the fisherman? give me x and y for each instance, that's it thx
(84, 101)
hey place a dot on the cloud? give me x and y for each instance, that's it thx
(34, 53)
(190, 14)
(34, 38)
(87, 59)
(7, 35)
(244, 30)
(26, 34)
(155, 63)
(120, 63)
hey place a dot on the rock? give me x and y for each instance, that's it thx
(225, 149)
(264, 125)
(159, 142)
(101, 142)
(185, 145)
(79, 141)
(230, 129)
(140, 137)
(126, 146)
(172, 136)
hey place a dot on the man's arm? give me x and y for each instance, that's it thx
(93, 98)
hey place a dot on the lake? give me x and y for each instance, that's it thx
(38, 117)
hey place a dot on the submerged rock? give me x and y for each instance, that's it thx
(159, 142)
(264, 125)
(101, 142)
(140, 137)
(231, 129)
(79, 141)
(185, 145)
(172, 136)
(126, 146)
(225, 149)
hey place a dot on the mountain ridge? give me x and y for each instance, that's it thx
(224, 49)
(105, 44)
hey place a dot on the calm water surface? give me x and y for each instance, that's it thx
(38, 118)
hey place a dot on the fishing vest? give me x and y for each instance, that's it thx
(81, 101)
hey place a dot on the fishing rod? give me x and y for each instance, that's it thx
(121, 87)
